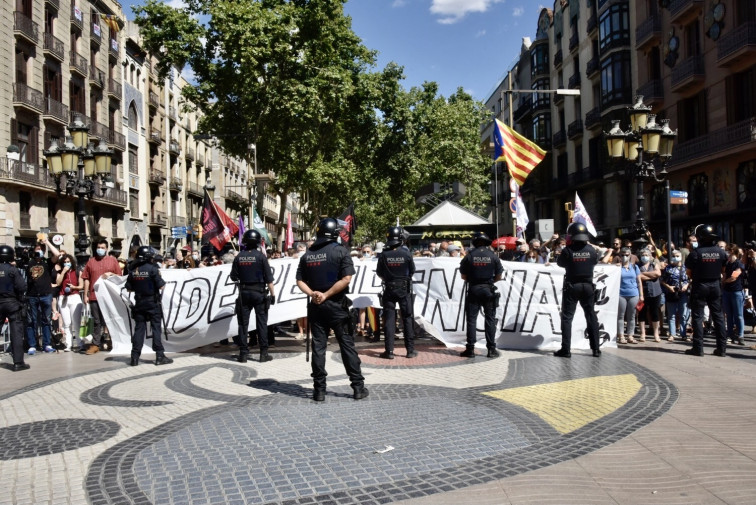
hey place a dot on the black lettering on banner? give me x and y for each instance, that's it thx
(452, 296)
(287, 270)
(191, 311)
(509, 301)
(373, 286)
(225, 291)
(124, 296)
(168, 291)
(542, 292)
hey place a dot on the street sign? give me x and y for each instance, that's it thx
(513, 205)
(178, 232)
(678, 197)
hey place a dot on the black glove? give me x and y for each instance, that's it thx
(272, 299)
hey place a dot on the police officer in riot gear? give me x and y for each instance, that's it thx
(396, 268)
(12, 290)
(255, 277)
(145, 281)
(323, 274)
(705, 266)
(578, 259)
(480, 269)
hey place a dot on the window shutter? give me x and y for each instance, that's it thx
(33, 155)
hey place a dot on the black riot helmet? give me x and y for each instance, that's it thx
(327, 230)
(144, 253)
(705, 234)
(480, 238)
(394, 237)
(251, 239)
(7, 255)
(577, 232)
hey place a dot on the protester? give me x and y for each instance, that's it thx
(676, 284)
(631, 293)
(732, 294)
(100, 266)
(40, 278)
(650, 274)
(70, 304)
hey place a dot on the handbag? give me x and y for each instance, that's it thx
(640, 305)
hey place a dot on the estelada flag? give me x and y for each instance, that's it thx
(217, 227)
(348, 222)
(521, 154)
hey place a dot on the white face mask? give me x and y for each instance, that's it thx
(676, 259)
(645, 259)
(625, 259)
(101, 252)
(67, 265)
(531, 260)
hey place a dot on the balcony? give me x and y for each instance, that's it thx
(593, 118)
(592, 67)
(25, 174)
(189, 154)
(72, 116)
(117, 140)
(559, 99)
(176, 184)
(523, 109)
(735, 135)
(25, 27)
(234, 197)
(574, 42)
(194, 189)
(559, 139)
(28, 98)
(539, 70)
(155, 136)
(55, 4)
(52, 224)
(96, 34)
(688, 74)
(172, 113)
(77, 18)
(652, 92)
(575, 129)
(96, 77)
(78, 64)
(574, 81)
(114, 89)
(113, 48)
(156, 177)
(592, 24)
(737, 48)
(53, 47)
(154, 100)
(174, 147)
(158, 218)
(648, 32)
(178, 221)
(99, 131)
(558, 59)
(200, 160)
(683, 11)
(113, 196)
(25, 221)
(541, 102)
(55, 111)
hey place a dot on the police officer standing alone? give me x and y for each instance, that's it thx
(323, 274)
(12, 289)
(254, 275)
(705, 266)
(480, 269)
(145, 281)
(396, 268)
(578, 259)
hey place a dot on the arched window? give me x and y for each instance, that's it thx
(133, 118)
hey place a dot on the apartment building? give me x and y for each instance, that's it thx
(700, 78)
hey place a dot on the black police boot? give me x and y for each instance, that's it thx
(318, 395)
(562, 353)
(386, 355)
(412, 354)
(719, 352)
(469, 352)
(134, 361)
(492, 353)
(360, 392)
(243, 357)
(264, 356)
(694, 352)
(163, 360)
(17, 367)
(596, 353)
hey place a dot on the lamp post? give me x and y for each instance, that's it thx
(81, 162)
(647, 146)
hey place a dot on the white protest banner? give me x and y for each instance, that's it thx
(198, 304)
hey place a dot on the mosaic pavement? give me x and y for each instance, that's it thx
(208, 430)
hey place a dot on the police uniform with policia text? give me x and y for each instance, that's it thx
(480, 269)
(255, 277)
(396, 268)
(145, 281)
(578, 259)
(705, 266)
(323, 274)
(12, 289)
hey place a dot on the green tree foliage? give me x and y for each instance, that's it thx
(291, 77)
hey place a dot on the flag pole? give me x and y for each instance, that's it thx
(511, 125)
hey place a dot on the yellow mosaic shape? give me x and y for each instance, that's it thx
(570, 405)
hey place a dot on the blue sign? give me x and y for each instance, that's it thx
(678, 194)
(178, 231)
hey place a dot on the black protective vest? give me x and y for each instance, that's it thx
(7, 281)
(394, 264)
(706, 263)
(141, 281)
(252, 268)
(578, 262)
(480, 266)
(320, 268)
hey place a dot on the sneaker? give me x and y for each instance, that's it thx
(32, 351)
(49, 348)
(92, 349)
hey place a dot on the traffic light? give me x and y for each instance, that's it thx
(570, 212)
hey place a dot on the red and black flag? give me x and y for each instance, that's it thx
(217, 227)
(348, 222)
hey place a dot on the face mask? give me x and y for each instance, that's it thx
(531, 260)
(645, 259)
(67, 265)
(676, 259)
(101, 252)
(195, 257)
(40, 254)
(694, 245)
(625, 259)
(366, 255)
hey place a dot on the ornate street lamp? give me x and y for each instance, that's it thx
(81, 162)
(647, 147)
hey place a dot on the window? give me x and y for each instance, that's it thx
(134, 203)
(22, 64)
(578, 157)
(745, 12)
(692, 117)
(654, 63)
(562, 169)
(539, 59)
(693, 39)
(698, 190)
(94, 102)
(77, 96)
(53, 82)
(541, 99)
(26, 137)
(616, 84)
(49, 21)
(614, 27)
(741, 96)
(133, 160)
(133, 118)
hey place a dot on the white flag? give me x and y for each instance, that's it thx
(581, 216)
(522, 214)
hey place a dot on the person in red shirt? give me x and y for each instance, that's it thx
(101, 265)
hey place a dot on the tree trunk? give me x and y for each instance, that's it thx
(281, 227)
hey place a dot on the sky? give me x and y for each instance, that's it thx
(467, 43)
